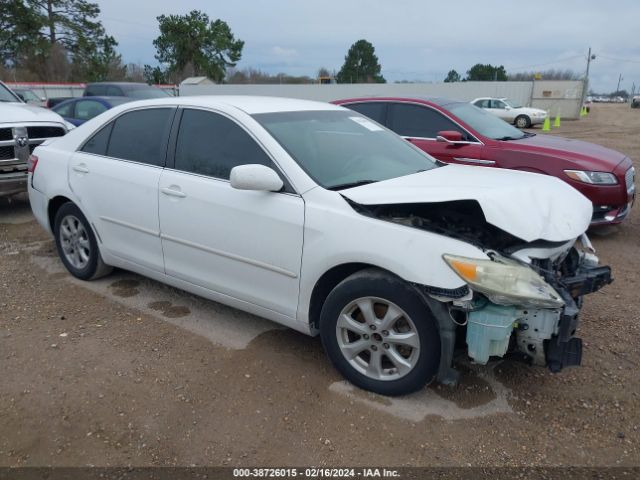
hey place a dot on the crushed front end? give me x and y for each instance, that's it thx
(528, 302)
(524, 298)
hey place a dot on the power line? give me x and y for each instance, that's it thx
(547, 63)
(618, 59)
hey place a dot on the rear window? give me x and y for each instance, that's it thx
(95, 90)
(98, 143)
(374, 110)
(141, 136)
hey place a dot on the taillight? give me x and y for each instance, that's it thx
(32, 163)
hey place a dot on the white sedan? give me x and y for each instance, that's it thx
(317, 218)
(511, 111)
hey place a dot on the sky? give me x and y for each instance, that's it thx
(417, 40)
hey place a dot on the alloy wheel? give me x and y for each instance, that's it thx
(378, 338)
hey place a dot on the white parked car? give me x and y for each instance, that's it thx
(317, 218)
(511, 111)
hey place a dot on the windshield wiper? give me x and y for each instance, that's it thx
(510, 138)
(343, 186)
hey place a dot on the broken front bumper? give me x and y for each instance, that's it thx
(564, 349)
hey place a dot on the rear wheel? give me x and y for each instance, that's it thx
(522, 121)
(379, 334)
(76, 244)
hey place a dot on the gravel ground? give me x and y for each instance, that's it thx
(92, 376)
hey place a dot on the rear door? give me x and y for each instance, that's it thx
(420, 124)
(115, 176)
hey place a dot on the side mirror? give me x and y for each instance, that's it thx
(507, 107)
(255, 177)
(451, 137)
(20, 96)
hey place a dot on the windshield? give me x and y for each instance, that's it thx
(146, 92)
(342, 149)
(485, 123)
(512, 103)
(7, 95)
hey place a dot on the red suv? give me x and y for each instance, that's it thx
(458, 132)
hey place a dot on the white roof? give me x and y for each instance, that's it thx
(250, 104)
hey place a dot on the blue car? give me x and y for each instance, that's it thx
(79, 110)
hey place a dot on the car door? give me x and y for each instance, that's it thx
(420, 124)
(115, 177)
(499, 109)
(242, 244)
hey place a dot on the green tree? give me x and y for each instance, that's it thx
(193, 45)
(452, 76)
(154, 75)
(481, 72)
(65, 38)
(360, 65)
(100, 62)
(18, 22)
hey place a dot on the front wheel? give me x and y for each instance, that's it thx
(76, 244)
(522, 121)
(379, 334)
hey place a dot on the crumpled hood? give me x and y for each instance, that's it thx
(526, 205)
(23, 113)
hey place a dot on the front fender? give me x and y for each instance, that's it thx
(337, 234)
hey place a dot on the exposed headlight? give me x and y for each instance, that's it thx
(505, 282)
(598, 178)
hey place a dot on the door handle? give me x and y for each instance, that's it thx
(82, 168)
(172, 192)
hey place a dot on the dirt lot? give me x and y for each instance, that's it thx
(125, 371)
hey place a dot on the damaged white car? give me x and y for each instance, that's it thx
(317, 218)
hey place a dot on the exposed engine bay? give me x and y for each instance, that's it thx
(494, 324)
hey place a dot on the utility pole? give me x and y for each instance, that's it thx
(585, 85)
(619, 80)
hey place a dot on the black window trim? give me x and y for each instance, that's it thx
(388, 117)
(173, 144)
(112, 121)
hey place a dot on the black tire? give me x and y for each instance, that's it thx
(522, 121)
(379, 284)
(95, 267)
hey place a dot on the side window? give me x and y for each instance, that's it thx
(483, 103)
(417, 121)
(87, 109)
(95, 91)
(374, 110)
(497, 104)
(114, 91)
(98, 143)
(65, 110)
(211, 144)
(141, 136)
